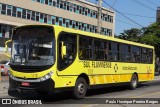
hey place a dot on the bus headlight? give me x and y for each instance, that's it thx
(47, 76)
(10, 75)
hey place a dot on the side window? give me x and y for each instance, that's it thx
(150, 56)
(41, 17)
(136, 57)
(85, 48)
(49, 19)
(144, 55)
(33, 15)
(100, 50)
(9, 10)
(54, 3)
(28, 14)
(19, 12)
(147, 55)
(0, 8)
(45, 18)
(126, 53)
(113, 51)
(68, 40)
(37, 16)
(14, 11)
(50, 2)
(116, 52)
(129, 55)
(24, 13)
(3, 9)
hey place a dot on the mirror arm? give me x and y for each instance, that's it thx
(6, 48)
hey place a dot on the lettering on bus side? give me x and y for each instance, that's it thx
(96, 64)
(129, 68)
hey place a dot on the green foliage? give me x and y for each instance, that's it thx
(150, 39)
(149, 35)
(131, 35)
(153, 29)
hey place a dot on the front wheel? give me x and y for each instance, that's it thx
(80, 88)
(134, 82)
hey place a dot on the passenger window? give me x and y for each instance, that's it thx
(129, 55)
(150, 56)
(136, 55)
(68, 40)
(100, 50)
(118, 53)
(113, 54)
(85, 48)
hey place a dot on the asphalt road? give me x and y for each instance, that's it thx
(98, 97)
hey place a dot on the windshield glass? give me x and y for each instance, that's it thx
(32, 48)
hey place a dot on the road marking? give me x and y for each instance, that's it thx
(145, 95)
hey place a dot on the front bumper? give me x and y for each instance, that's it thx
(44, 86)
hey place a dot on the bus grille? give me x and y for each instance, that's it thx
(29, 69)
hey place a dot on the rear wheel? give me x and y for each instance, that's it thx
(80, 88)
(134, 82)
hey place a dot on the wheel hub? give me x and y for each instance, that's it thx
(81, 88)
(134, 81)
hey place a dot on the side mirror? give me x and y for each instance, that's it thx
(63, 50)
(6, 48)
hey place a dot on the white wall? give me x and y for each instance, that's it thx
(2, 49)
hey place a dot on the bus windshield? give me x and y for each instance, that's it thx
(31, 48)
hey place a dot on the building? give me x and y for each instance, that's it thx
(77, 14)
(158, 14)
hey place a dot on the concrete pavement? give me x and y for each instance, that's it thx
(4, 85)
(146, 90)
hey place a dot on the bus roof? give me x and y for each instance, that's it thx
(95, 35)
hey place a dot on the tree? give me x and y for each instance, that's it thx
(132, 35)
(151, 36)
(150, 39)
(153, 29)
(153, 40)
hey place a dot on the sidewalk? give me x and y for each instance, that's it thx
(4, 85)
(157, 77)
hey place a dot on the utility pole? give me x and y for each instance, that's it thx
(99, 16)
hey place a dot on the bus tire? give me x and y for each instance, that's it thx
(80, 88)
(134, 82)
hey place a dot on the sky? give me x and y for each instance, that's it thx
(145, 8)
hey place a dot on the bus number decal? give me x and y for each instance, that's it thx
(34, 75)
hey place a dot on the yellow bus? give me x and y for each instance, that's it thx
(46, 58)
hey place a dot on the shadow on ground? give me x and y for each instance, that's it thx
(66, 97)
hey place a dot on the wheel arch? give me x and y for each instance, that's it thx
(136, 75)
(85, 76)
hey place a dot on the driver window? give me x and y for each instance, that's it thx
(69, 41)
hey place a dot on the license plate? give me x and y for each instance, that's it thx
(25, 84)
